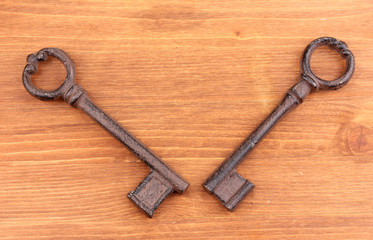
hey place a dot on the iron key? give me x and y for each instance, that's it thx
(160, 182)
(225, 183)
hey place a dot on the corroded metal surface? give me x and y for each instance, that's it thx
(160, 182)
(225, 183)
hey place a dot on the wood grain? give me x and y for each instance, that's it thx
(191, 79)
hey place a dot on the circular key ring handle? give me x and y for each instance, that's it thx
(345, 53)
(32, 67)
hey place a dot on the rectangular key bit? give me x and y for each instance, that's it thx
(150, 193)
(231, 190)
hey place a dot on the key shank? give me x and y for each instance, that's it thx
(225, 183)
(77, 97)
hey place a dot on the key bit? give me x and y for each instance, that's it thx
(160, 182)
(225, 183)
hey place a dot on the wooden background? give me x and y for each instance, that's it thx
(191, 79)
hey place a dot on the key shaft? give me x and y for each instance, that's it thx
(290, 101)
(78, 97)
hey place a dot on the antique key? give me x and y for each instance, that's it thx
(160, 182)
(225, 183)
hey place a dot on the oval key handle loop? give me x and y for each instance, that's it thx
(345, 53)
(32, 67)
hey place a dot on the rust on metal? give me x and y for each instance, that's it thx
(160, 182)
(225, 183)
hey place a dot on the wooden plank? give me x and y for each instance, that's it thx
(191, 80)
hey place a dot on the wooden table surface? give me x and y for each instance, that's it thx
(191, 79)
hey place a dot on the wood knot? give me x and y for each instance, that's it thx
(355, 139)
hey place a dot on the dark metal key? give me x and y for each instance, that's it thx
(225, 183)
(160, 182)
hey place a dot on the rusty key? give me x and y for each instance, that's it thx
(225, 183)
(160, 182)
